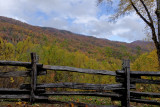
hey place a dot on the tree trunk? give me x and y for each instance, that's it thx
(158, 55)
(158, 18)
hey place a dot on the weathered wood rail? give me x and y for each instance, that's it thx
(123, 91)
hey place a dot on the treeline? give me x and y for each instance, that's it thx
(53, 54)
(14, 32)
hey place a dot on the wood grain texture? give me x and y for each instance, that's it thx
(19, 74)
(140, 73)
(18, 91)
(79, 70)
(126, 93)
(7, 96)
(84, 86)
(136, 80)
(16, 63)
(83, 93)
(145, 94)
(33, 77)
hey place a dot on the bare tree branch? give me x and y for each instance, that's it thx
(145, 20)
(152, 25)
(149, 16)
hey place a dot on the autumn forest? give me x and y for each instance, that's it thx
(64, 48)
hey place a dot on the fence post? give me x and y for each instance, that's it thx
(126, 68)
(33, 76)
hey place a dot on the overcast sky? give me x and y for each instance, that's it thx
(78, 16)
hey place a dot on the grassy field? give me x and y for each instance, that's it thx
(82, 99)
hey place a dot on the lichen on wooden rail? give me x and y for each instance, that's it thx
(136, 80)
(83, 86)
(79, 70)
(19, 74)
(17, 91)
(145, 94)
(140, 73)
(16, 63)
(6, 96)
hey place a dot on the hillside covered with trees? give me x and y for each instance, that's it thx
(59, 47)
(14, 31)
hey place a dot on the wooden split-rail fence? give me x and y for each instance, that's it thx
(37, 93)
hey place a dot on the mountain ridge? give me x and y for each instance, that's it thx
(16, 30)
(51, 29)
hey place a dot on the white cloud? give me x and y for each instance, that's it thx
(56, 23)
(79, 16)
(84, 20)
(129, 28)
(120, 31)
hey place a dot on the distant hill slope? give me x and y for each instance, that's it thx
(13, 31)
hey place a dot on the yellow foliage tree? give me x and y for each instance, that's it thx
(146, 62)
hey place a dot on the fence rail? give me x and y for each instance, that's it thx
(79, 70)
(17, 63)
(140, 73)
(33, 92)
